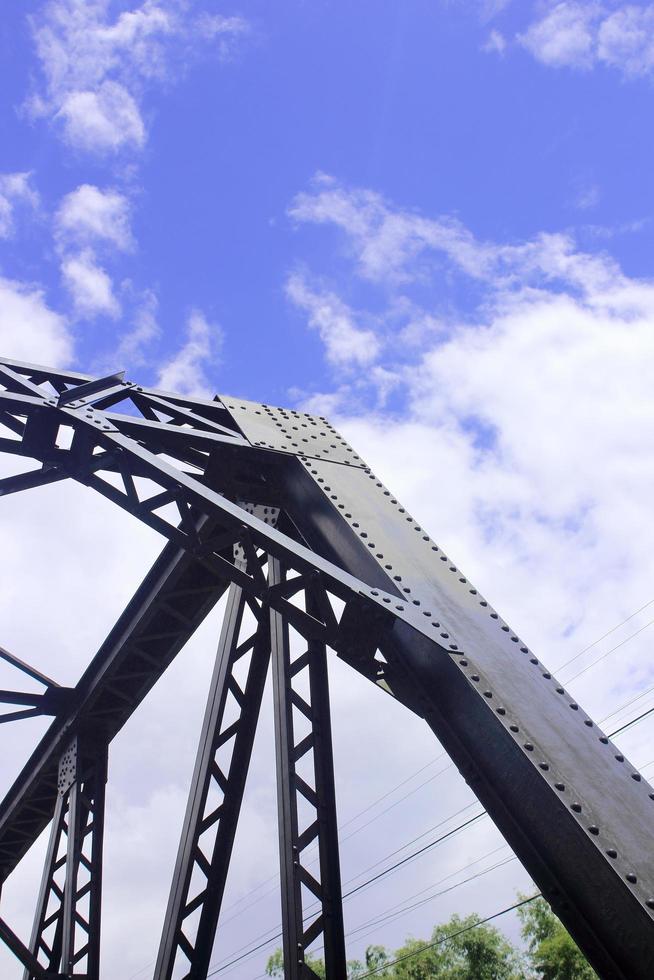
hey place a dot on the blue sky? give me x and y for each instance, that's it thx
(432, 221)
(402, 98)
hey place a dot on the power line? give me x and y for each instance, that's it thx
(452, 935)
(409, 857)
(351, 820)
(603, 637)
(626, 704)
(432, 778)
(408, 779)
(363, 885)
(612, 650)
(633, 721)
(390, 915)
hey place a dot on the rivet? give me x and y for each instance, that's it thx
(604, 740)
(524, 650)
(464, 663)
(560, 690)
(593, 830)
(547, 675)
(494, 615)
(529, 747)
(488, 694)
(559, 786)
(453, 646)
(650, 903)
(575, 707)
(576, 807)
(612, 853)
(619, 758)
(544, 766)
(636, 776)
(514, 728)
(475, 677)
(631, 877)
(506, 629)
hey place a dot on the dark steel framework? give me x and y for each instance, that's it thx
(316, 553)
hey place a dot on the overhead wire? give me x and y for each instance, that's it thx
(603, 636)
(432, 778)
(394, 789)
(606, 654)
(364, 884)
(419, 852)
(450, 937)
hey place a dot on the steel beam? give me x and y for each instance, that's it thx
(66, 932)
(216, 792)
(405, 616)
(306, 800)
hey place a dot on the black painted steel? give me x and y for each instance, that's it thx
(221, 765)
(66, 934)
(311, 905)
(377, 590)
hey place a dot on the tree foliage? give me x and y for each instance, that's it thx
(552, 952)
(467, 949)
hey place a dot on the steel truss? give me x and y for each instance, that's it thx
(317, 554)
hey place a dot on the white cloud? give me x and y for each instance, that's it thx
(345, 343)
(495, 42)
(564, 36)
(145, 330)
(89, 214)
(585, 34)
(626, 40)
(96, 69)
(15, 190)
(90, 287)
(588, 197)
(186, 372)
(102, 121)
(529, 407)
(29, 329)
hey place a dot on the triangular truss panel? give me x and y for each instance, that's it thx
(275, 507)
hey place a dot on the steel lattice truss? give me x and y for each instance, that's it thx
(316, 553)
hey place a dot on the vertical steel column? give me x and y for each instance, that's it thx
(66, 930)
(201, 814)
(321, 798)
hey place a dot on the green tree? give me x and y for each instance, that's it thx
(275, 966)
(553, 953)
(479, 953)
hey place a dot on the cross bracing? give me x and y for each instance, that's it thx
(274, 506)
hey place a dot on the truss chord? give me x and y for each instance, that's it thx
(202, 812)
(380, 590)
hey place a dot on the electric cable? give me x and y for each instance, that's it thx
(603, 637)
(394, 867)
(389, 792)
(605, 655)
(452, 935)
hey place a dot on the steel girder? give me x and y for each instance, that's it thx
(376, 589)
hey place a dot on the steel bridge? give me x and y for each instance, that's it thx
(273, 507)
